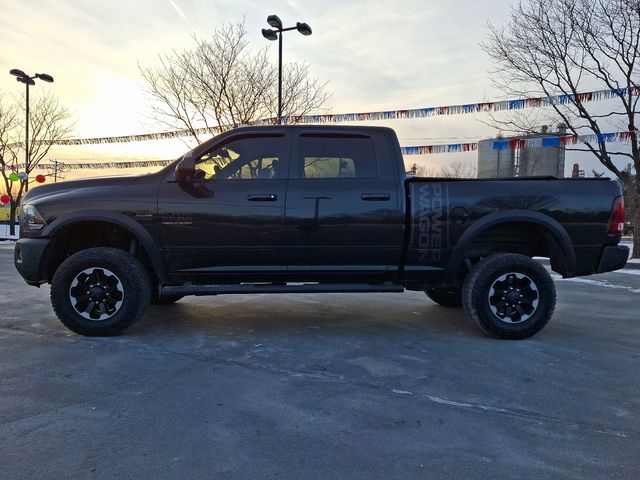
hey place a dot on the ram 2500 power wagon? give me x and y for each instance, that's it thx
(297, 209)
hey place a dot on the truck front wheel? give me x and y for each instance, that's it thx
(100, 291)
(509, 296)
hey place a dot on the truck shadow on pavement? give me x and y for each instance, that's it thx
(282, 314)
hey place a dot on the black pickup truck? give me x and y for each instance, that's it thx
(298, 209)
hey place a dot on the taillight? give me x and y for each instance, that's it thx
(616, 224)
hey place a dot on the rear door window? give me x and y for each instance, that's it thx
(325, 156)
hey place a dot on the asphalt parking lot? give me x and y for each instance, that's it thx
(322, 386)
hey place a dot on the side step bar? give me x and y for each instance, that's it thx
(280, 288)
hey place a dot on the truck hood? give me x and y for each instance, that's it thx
(52, 190)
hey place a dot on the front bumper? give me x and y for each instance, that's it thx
(613, 258)
(28, 256)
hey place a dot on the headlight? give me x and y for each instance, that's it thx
(31, 218)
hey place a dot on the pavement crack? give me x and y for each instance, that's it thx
(520, 413)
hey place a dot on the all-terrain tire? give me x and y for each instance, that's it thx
(509, 296)
(450, 298)
(100, 291)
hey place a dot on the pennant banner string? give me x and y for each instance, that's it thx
(526, 142)
(425, 112)
(491, 144)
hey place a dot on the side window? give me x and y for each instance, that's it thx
(329, 167)
(243, 159)
(337, 157)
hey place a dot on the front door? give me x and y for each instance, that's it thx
(228, 221)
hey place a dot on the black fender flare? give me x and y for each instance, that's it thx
(116, 218)
(551, 225)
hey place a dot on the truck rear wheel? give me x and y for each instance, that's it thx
(509, 296)
(100, 291)
(450, 298)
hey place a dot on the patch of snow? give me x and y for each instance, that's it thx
(401, 392)
(628, 271)
(595, 283)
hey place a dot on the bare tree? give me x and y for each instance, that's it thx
(221, 83)
(457, 169)
(49, 122)
(565, 47)
(423, 171)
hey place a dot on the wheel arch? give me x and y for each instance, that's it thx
(75, 220)
(557, 239)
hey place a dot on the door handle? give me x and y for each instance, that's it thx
(266, 197)
(376, 197)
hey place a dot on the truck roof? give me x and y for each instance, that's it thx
(262, 128)
(249, 129)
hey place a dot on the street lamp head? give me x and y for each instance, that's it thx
(26, 80)
(269, 34)
(303, 28)
(275, 22)
(45, 77)
(17, 73)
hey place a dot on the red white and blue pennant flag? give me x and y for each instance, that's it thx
(443, 148)
(463, 109)
(377, 116)
(555, 141)
(497, 144)
(63, 166)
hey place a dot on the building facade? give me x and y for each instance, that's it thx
(521, 161)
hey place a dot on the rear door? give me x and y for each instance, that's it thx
(342, 210)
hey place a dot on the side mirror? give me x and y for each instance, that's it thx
(186, 168)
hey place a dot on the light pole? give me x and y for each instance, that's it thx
(272, 34)
(28, 81)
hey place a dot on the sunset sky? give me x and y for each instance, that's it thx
(376, 55)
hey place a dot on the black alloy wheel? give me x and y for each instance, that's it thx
(509, 295)
(100, 291)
